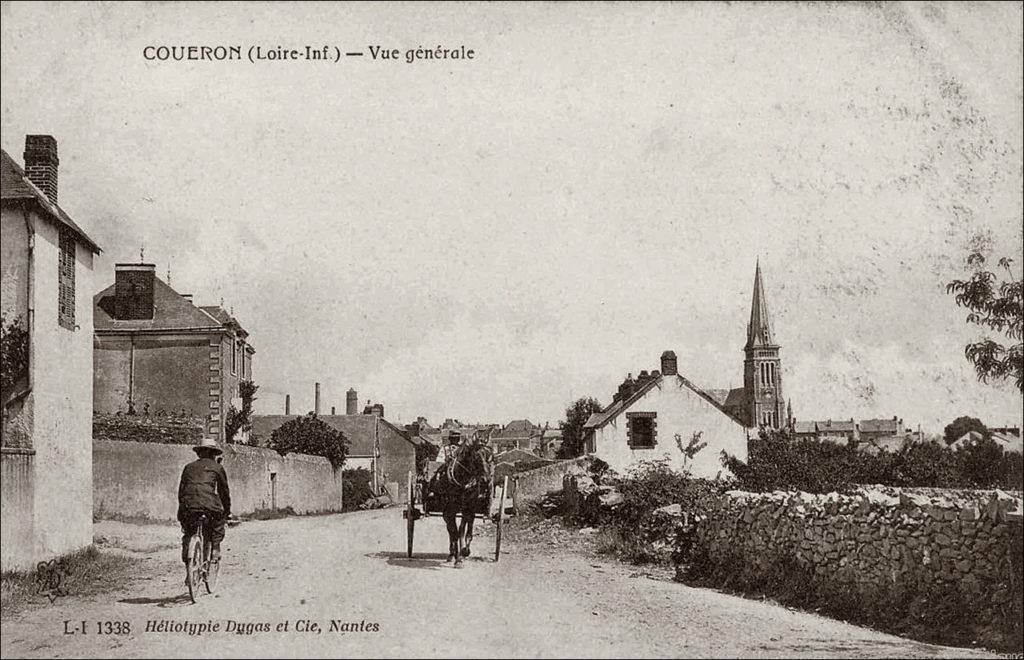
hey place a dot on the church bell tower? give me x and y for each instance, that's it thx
(762, 373)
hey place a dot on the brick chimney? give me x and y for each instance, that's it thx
(41, 163)
(133, 291)
(668, 364)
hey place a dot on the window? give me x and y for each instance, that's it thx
(234, 360)
(66, 281)
(641, 429)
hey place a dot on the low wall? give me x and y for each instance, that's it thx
(166, 429)
(533, 484)
(17, 539)
(140, 480)
(884, 546)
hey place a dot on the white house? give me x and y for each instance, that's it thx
(657, 416)
(46, 287)
(660, 414)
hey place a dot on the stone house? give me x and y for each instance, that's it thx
(158, 354)
(47, 279)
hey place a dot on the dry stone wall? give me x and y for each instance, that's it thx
(878, 543)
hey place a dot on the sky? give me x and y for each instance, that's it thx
(489, 239)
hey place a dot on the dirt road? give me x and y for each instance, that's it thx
(351, 569)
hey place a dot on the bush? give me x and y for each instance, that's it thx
(639, 535)
(356, 488)
(778, 462)
(311, 435)
(14, 346)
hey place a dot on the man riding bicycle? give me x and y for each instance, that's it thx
(204, 490)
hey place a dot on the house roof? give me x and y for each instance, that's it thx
(839, 425)
(359, 430)
(598, 420)
(170, 312)
(517, 428)
(805, 427)
(15, 186)
(223, 317)
(878, 426)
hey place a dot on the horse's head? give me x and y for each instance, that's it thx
(471, 463)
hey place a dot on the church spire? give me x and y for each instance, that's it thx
(759, 330)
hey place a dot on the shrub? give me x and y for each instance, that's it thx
(640, 535)
(14, 345)
(311, 435)
(356, 488)
(240, 420)
(778, 462)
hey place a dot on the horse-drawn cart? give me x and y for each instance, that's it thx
(430, 494)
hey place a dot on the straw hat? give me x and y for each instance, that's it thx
(208, 443)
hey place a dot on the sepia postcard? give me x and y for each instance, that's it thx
(512, 329)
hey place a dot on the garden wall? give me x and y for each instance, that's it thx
(140, 480)
(919, 549)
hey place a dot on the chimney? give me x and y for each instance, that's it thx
(332, 410)
(351, 402)
(41, 164)
(287, 404)
(668, 363)
(133, 291)
(188, 297)
(316, 399)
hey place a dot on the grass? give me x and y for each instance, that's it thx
(87, 571)
(270, 514)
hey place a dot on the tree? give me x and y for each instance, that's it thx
(997, 306)
(576, 416)
(240, 420)
(961, 425)
(311, 435)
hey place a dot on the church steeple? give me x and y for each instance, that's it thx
(759, 329)
(762, 366)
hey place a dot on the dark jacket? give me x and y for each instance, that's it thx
(204, 487)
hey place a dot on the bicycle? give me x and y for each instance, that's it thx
(200, 568)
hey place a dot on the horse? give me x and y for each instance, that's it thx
(463, 483)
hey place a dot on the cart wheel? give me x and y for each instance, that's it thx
(501, 515)
(410, 513)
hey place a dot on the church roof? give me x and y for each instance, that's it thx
(759, 330)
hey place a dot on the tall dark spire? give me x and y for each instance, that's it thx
(759, 329)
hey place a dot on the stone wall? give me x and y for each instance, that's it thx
(165, 429)
(879, 545)
(140, 480)
(534, 484)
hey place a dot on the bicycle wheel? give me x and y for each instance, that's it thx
(212, 568)
(194, 572)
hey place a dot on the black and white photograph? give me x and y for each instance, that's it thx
(512, 329)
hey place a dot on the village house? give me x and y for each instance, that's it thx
(517, 434)
(550, 441)
(661, 414)
(159, 354)
(47, 279)
(836, 431)
(387, 451)
(657, 416)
